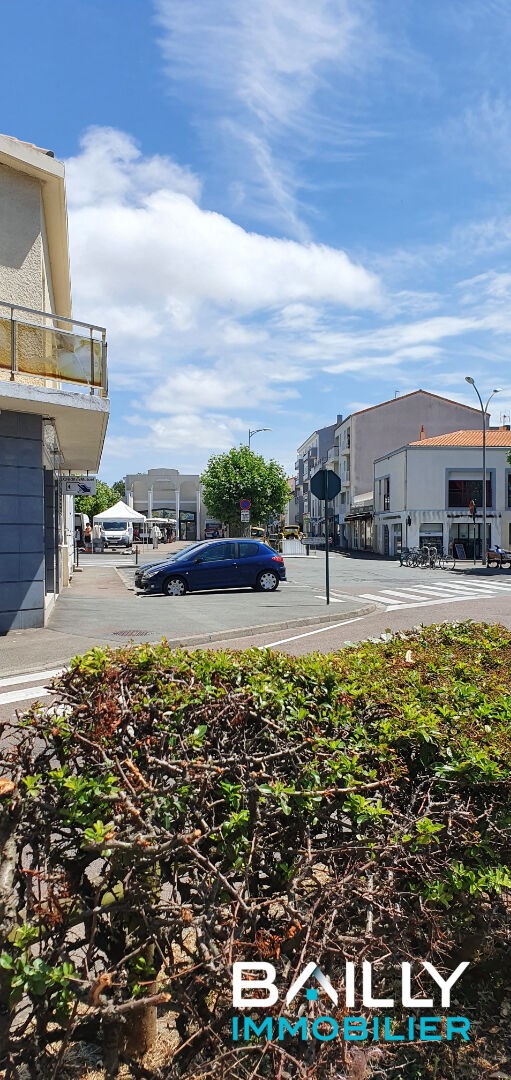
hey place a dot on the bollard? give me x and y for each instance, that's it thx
(136, 554)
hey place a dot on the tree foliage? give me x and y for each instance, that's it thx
(119, 487)
(179, 811)
(242, 474)
(105, 497)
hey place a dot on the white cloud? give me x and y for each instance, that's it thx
(110, 168)
(168, 245)
(212, 327)
(262, 74)
(268, 55)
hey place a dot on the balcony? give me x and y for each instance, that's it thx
(56, 367)
(38, 346)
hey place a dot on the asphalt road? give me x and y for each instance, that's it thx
(396, 598)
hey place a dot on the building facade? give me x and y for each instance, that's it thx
(311, 456)
(422, 493)
(350, 446)
(53, 387)
(177, 495)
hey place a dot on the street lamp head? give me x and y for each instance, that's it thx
(468, 378)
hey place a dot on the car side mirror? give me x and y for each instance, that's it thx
(199, 559)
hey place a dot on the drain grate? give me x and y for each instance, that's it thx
(130, 633)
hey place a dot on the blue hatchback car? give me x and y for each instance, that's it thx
(214, 564)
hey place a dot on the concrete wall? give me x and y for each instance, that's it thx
(377, 431)
(22, 538)
(21, 244)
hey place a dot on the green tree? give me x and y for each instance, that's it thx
(95, 504)
(241, 474)
(119, 487)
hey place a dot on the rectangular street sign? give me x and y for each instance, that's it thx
(245, 515)
(79, 486)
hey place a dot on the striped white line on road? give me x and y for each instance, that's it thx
(409, 594)
(442, 592)
(431, 603)
(24, 695)
(30, 676)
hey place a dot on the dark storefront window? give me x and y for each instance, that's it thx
(462, 491)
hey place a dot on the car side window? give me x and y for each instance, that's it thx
(247, 550)
(217, 552)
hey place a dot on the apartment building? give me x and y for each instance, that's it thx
(53, 386)
(370, 433)
(311, 456)
(350, 446)
(177, 494)
(422, 493)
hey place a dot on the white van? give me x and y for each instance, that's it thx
(116, 533)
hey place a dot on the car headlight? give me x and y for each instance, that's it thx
(149, 574)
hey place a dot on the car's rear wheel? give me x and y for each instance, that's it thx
(174, 586)
(267, 581)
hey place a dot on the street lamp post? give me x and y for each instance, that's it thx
(484, 410)
(255, 432)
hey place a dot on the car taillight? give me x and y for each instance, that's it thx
(277, 558)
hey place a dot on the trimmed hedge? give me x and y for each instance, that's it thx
(180, 811)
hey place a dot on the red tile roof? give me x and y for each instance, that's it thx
(494, 437)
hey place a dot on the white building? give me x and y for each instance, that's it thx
(53, 385)
(422, 492)
(167, 492)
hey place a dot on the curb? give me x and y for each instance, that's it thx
(253, 631)
(218, 635)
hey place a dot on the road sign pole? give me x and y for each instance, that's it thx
(325, 485)
(327, 563)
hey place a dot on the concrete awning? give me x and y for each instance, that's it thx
(80, 420)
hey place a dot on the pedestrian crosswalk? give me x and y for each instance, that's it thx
(30, 686)
(438, 591)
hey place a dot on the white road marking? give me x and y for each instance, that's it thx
(431, 603)
(24, 695)
(31, 676)
(440, 592)
(333, 599)
(321, 630)
(408, 594)
(372, 596)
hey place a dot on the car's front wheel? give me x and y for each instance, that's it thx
(267, 581)
(174, 586)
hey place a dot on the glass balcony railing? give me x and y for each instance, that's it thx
(45, 349)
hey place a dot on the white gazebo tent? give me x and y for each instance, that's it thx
(120, 512)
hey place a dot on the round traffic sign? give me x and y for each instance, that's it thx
(245, 504)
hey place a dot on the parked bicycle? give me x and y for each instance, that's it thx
(447, 561)
(428, 557)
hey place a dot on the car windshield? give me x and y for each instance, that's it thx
(113, 526)
(183, 553)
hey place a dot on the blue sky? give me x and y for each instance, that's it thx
(281, 210)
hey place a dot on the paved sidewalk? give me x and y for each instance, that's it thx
(99, 608)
